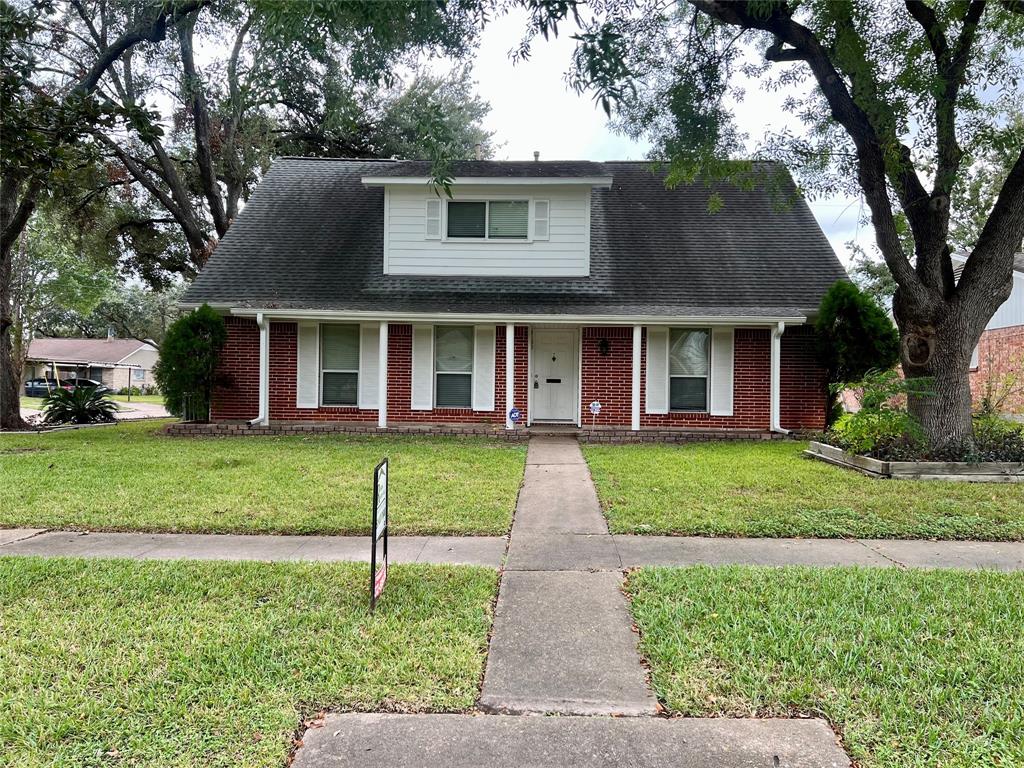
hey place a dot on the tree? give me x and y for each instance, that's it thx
(904, 103)
(188, 362)
(130, 311)
(855, 335)
(42, 119)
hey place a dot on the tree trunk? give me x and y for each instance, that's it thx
(17, 201)
(941, 357)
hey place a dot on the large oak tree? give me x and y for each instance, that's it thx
(901, 101)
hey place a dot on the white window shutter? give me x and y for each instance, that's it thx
(307, 383)
(433, 219)
(657, 370)
(541, 219)
(369, 364)
(483, 368)
(722, 346)
(422, 368)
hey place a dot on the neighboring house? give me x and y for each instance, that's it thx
(355, 293)
(114, 362)
(997, 364)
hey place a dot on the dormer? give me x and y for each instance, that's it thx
(503, 219)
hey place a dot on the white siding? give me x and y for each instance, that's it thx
(1012, 311)
(565, 252)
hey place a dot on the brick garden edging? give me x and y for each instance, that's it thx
(584, 435)
(980, 472)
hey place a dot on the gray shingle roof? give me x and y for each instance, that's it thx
(958, 268)
(98, 351)
(311, 237)
(512, 169)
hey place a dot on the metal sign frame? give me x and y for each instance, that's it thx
(378, 531)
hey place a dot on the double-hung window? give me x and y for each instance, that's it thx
(689, 358)
(488, 219)
(453, 366)
(339, 364)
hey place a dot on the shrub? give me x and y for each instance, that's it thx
(133, 391)
(882, 428)
(81, 405)
(188, 361)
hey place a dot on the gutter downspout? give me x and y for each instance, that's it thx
(263, 417)
(776, 379)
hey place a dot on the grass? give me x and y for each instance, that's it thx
(129, 477)
(216, 664)
(915, 669)
(770, 489)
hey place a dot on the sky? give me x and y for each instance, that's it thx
(533, 109)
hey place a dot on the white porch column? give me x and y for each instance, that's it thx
(264, 403)
(776, 378)
(382, 377)
(510, 374)
(637, 340)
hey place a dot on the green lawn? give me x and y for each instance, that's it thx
(217, 664)
(32, 403)
(770, 489)
(129, 477)
(915, 669)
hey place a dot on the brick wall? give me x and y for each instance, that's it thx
(607, 379)
(804, 386)
(240, 362)
(1000, 355)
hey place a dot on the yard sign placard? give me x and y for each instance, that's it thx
(379, 532)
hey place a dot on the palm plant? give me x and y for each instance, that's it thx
(81, 405)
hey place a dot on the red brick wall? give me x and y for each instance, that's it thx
(1000, 356)
(606, 379)
(804, 386)
(240, 360)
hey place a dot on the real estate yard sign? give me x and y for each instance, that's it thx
(379, 533)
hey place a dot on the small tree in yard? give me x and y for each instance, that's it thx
(855, 335)
(188, 361)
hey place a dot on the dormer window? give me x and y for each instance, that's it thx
(488, 219)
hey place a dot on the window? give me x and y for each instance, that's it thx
(489, 219)
(688, 365)
(339, 364)
(453, 366)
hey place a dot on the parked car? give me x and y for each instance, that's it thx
(43, 387)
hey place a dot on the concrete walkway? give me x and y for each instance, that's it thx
(562, 639)
(547, 551)
(465, 741)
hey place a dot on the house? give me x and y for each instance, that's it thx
(117, 363)
(356, 294)
(997, 364)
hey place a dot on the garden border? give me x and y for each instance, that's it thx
(957, 471)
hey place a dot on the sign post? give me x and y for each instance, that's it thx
(379, 532)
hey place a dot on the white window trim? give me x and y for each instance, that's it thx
(471, 374)
(319, 361)
(707, 378)
(487, 219)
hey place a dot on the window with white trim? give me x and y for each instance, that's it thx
(488, 219)
(339, 364)
(453, 366)
(689, 364)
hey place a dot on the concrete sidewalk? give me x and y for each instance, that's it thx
(563, 640)
(465, 741)
(550, 550)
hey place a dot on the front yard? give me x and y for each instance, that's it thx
(914, 669)
(216, 664)
(129, 477)
(770, 489)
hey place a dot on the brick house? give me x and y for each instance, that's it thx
(116, 363)
(997, 365)
(354, 295)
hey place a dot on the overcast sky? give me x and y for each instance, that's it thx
(532, 108)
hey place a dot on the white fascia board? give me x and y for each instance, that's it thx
(494, 181)
(524, 319)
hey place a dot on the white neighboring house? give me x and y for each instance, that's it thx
(117, 363)
(1000, 350)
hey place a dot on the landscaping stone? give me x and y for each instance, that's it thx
(466, 741)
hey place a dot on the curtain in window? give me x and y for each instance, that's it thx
(688, 363)
(339, 364)
(453, 363)
(508, 219)
(466, 219)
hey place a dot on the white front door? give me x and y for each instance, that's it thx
(555, 366)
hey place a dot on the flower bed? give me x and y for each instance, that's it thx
(964, 471)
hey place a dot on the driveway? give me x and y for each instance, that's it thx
(126, 412)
